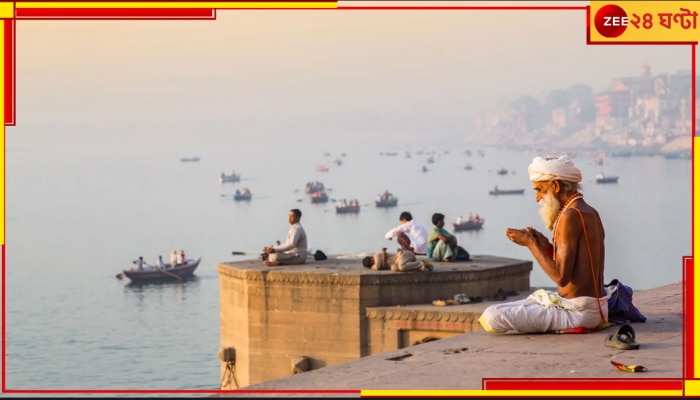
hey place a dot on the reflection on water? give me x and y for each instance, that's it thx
(184, 282)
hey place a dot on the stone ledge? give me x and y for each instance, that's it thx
(347, 270)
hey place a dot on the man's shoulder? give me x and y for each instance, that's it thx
(582, 207)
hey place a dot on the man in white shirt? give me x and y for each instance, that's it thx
(173, 259)
(411, 235)
(293, 250)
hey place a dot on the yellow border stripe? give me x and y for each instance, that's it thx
(520, 393)
(7, 9)
(692, 388)
(191, 4)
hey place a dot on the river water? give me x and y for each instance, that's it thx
(83, 216)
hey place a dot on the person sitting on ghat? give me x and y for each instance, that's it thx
(411, 234)
(574, 260)
(442, 245)
(401, 261)
(293, 251)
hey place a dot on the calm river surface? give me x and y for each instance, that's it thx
(83, 216)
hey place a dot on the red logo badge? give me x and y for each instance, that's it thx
(611, 21)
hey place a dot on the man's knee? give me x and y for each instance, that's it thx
(403, 241)
(287, 259)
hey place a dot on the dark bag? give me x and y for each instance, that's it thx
(620, 307)
(319, 255)
(462, 254)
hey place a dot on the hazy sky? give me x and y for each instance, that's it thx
(311, 71)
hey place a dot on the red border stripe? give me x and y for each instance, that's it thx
(493, 383)
(82, 13)
(583, 384)
(10, 92)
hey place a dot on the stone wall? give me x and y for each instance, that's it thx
(273, 316)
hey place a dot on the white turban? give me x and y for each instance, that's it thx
(552, 168)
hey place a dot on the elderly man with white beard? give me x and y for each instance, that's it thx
(574, 260)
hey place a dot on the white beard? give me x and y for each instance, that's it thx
(549, 210)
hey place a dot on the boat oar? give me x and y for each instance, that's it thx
(168, 273)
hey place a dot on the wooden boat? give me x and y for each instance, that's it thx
(319, 197)
(347, 209)
(243, 195)
(313, 187)
(234, 177)
(600, 178)
(496, 191)
(502, 171)
(468, 225)
(189, 159)
(386, 202)
(322, 168)
(468, 167)
(151, 273)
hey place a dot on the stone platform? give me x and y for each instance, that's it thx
(329, 312)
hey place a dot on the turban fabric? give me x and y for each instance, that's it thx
(558, 168)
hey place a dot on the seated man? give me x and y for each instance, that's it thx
(411, 234)
(293, 251)
(574, 260)
(402, 261)
(442, 245)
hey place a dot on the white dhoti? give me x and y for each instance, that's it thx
(545, 311)
(288, 258)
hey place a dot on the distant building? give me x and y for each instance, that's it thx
(612, 105)
(680, 84)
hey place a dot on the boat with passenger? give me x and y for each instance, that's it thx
(234, 177)
(168, 272)
(602, 178)
(496, 191)
(386, 200)
(468, 225)
(242, 195)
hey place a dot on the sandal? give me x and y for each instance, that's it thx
(622, 339)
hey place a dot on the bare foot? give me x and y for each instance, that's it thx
(271, 263)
